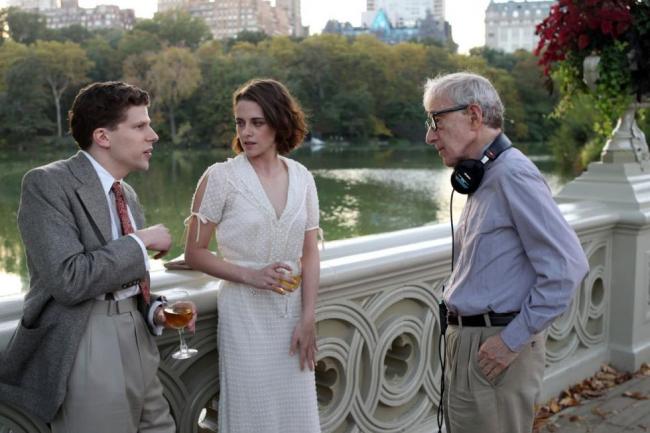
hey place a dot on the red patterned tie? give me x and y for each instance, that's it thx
(127, 228)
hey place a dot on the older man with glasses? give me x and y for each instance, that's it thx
(516, 262)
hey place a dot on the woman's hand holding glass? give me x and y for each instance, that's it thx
(291, 276)
(277, 277)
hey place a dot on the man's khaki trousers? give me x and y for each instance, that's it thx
(472, 403)
(113, 387)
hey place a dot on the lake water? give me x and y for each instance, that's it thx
(360, 191)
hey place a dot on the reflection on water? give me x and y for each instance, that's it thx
(360, 192)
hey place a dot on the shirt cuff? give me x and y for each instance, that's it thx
(143, 248)
(515, 335)
(157, 329)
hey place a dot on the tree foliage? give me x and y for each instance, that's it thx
(23, 106)
(351, 88)
(25, 27)
(173, 77)
(63, 64)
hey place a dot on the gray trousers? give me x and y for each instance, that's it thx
(113, 386)
(474, 404)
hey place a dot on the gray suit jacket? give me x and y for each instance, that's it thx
(65, 225)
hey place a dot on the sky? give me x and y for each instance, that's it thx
(465, 16)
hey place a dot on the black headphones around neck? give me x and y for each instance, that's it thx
(468, 173)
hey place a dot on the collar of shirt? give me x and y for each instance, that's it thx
(107, 180)
(105, 177)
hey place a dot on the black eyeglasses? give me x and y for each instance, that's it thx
(432, 123)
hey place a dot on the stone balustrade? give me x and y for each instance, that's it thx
(378, 367)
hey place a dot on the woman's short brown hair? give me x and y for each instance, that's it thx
(102, 105)
(281, 111)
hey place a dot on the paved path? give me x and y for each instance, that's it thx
(610, 413)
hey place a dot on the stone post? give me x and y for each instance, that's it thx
(621, 181)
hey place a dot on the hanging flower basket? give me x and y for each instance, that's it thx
(617, 31)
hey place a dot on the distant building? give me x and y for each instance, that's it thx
(67, 4)
(383, 29)
(69, 13)
(100, 17)
(510, 25)
(34, 5)
(167, 5)
(292, 9)
(403, 13)
(226, 18)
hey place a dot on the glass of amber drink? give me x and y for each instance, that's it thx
(290, 282)
(178, 314)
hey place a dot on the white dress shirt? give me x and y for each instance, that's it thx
(107, 180)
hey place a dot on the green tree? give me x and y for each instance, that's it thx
(136, 67)
(247, 36)
(321, 71)
(112, 36)
(536, 103)
(25, 27)
(23, 105)
(403, 111)
(10, 52)
(575, 134)
(138, 42)
(497, 58)
(63, 64)
(173, 77)
(74, 33)
(211, 108)
(106, 59)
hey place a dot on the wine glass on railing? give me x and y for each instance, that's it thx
(178, 314)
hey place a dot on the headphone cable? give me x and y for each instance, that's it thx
(442, 339)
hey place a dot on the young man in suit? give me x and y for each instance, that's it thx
(83, 357)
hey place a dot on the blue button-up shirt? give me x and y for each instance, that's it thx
(514, 251)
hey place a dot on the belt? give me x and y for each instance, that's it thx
(111, 308)
(487, 319)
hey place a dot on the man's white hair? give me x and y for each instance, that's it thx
(466, 88)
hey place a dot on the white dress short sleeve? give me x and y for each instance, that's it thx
(262, 388)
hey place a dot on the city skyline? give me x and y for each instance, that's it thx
(468, 29)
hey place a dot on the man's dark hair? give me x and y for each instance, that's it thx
(102, 105)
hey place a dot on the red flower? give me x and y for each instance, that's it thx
(606, 27)
(621, 28)
(575, 26)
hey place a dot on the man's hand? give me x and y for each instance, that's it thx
(494, 357)
(156, 238)
(159, 317)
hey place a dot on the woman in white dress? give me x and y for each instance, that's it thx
(264, 209)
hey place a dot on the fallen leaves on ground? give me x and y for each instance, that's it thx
(590, 388)
(644, 370)
(599, 412)
(635, 395)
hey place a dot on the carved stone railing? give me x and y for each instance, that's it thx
(377, 322)
(378, 329)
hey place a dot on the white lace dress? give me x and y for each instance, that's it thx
(262, 387)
